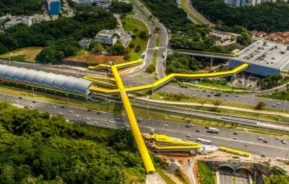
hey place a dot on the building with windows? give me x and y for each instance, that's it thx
(241, 3)
(54, 7)
(107, 37)
(101, 3)
(58, 84)
(264, 58)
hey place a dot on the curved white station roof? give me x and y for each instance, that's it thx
(51, 80)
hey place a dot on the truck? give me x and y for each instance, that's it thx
(213, 130)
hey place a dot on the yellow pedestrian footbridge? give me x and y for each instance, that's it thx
(164, 142)
(234, 151)
(169, 77)
(133, 123)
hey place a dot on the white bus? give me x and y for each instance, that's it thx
(204, 141)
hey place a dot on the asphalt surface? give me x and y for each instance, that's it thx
(273, 148)
(225, 177)
(162, 48)
(246, 99)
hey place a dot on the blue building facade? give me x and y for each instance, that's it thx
(254, 68)
(54, 7)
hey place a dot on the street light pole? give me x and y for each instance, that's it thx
(284, 105)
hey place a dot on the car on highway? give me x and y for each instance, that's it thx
(283, 142)
(33, 101)
(71, 111)
(265, 141)
(262, 155)
(139, 119)
(166, 125)
(235, 138)
(20, 97)
(76, 115)
(235, 133)
(117, 118)
(188, 136)
(218, 94)
(62, 106)
(278, 138)
(197, 130)
(88, 118)
(98, 113)
(60, 113)
(207, 127)
(96, 122)
(190, 125)
(208, 95)
(16, 101)
(261, 138)
(54, 106)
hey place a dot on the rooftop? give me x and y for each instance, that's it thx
(106, 33)
(266, 53)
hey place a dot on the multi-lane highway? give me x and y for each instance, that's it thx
(246, 141)
(246, 99)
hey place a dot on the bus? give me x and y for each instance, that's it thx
(204, 141)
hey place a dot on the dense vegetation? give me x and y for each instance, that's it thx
(269, 17)
(269, 81)
(178, 63)
(20, 7)
(278, 177)
(60, 37)
(117, 6)
(35, 147)
(185, 34)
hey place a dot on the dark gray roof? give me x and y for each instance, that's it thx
(40, 78)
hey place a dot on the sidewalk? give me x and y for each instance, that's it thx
(220, 107)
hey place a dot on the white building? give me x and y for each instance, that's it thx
(17, 20)
(107, 37)
(241, 3)
(101, 3)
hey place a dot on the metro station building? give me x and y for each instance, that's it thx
(264, 58)
(48, 82)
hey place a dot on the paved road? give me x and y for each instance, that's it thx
(246, 99)
(160, 68)
(197, 14)
(192, 53)
(225, 176)
(273, 149)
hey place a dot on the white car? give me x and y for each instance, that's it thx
(277, 138)
(261, 138)
(106, 122)
(70, 111)
(60, 113)
(54, 107)
(96, 122)
(16, 101)
(165, 125)
(77, 115)
(88, 119)
(235, 138)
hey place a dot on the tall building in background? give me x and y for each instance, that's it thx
(54, 7)
(241, 3)
(235, 3)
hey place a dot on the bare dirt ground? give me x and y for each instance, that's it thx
(95, 59)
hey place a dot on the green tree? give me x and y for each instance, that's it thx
(260, 106)
(144, 35)
(95, 47)
(217, 103)
(137, 49)
(117, 49)
(131, 45)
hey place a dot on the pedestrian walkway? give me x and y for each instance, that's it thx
(154, 179)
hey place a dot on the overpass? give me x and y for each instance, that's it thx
(202, 54)
(168, 78)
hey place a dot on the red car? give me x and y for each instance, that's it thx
(265, 141)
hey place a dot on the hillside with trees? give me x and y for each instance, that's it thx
(38, 148)
(186, 35)
(20, 7)
(268, 17)
(60, 37)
